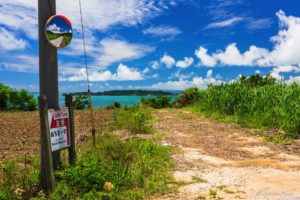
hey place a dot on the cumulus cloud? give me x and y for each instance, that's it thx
(188, 61)
(200, 82)
(167, 60)
(284, 53)
(123, 73)
(252, 57)
(284, 69)
(293, 79)
(205, 58)
(287, 48)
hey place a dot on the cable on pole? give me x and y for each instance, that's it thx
(87, 78)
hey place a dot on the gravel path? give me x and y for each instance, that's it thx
(219, 161)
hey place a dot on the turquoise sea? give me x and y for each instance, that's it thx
(101, 101)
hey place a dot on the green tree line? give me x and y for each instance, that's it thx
(11, 99)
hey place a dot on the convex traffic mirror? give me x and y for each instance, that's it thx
(59, 31)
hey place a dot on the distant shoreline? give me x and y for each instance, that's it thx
(127, 93)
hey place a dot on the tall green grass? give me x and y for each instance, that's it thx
(134, 119)
(134, 169)
(274, 105)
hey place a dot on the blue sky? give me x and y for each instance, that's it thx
(59, 24)
(156, 44)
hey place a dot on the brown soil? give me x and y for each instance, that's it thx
(19, 131)
(219, 161)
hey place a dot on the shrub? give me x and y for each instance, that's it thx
(80, 102)
(11, 99)
(158, 102)
(117, 104)
(187, 97)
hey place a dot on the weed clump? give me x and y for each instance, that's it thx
(135, 119)
(131, 169)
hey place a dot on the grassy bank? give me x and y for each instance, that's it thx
(254, 102)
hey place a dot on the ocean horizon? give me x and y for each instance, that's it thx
(102, 101)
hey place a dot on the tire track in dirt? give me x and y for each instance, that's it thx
(219, 161)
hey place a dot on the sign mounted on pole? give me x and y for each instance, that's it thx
(59, 124)
(59, 31)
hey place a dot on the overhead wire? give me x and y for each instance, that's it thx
(87, 78)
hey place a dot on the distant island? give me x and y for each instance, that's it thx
(126, 93)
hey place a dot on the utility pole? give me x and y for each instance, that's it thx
(48, 65)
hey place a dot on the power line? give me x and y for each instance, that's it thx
(87, 77)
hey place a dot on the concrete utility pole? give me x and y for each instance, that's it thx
(48, 65)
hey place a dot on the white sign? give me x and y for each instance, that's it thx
(59, 128)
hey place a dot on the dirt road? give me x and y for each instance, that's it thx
(219, 161)
(59, 42)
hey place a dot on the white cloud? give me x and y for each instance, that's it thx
(209, 73)
(225, 23)
(293, 79)
(284, 53)
(146, 70)
(205, 59)
(183, 84)
(102, 14)
(97, 14)
(254, 24)
(20, 15)
(178, 75)
(21, 63)
(112, 50)
(252, 57)
(283, 69)
(8, 40)
(167, 60)
(123, 73)
(167, 32)
(154, 64)
(126, 73)
(287, 48)
(188, 61)
(54, 28)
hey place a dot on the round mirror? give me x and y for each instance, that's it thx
(59, 31)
